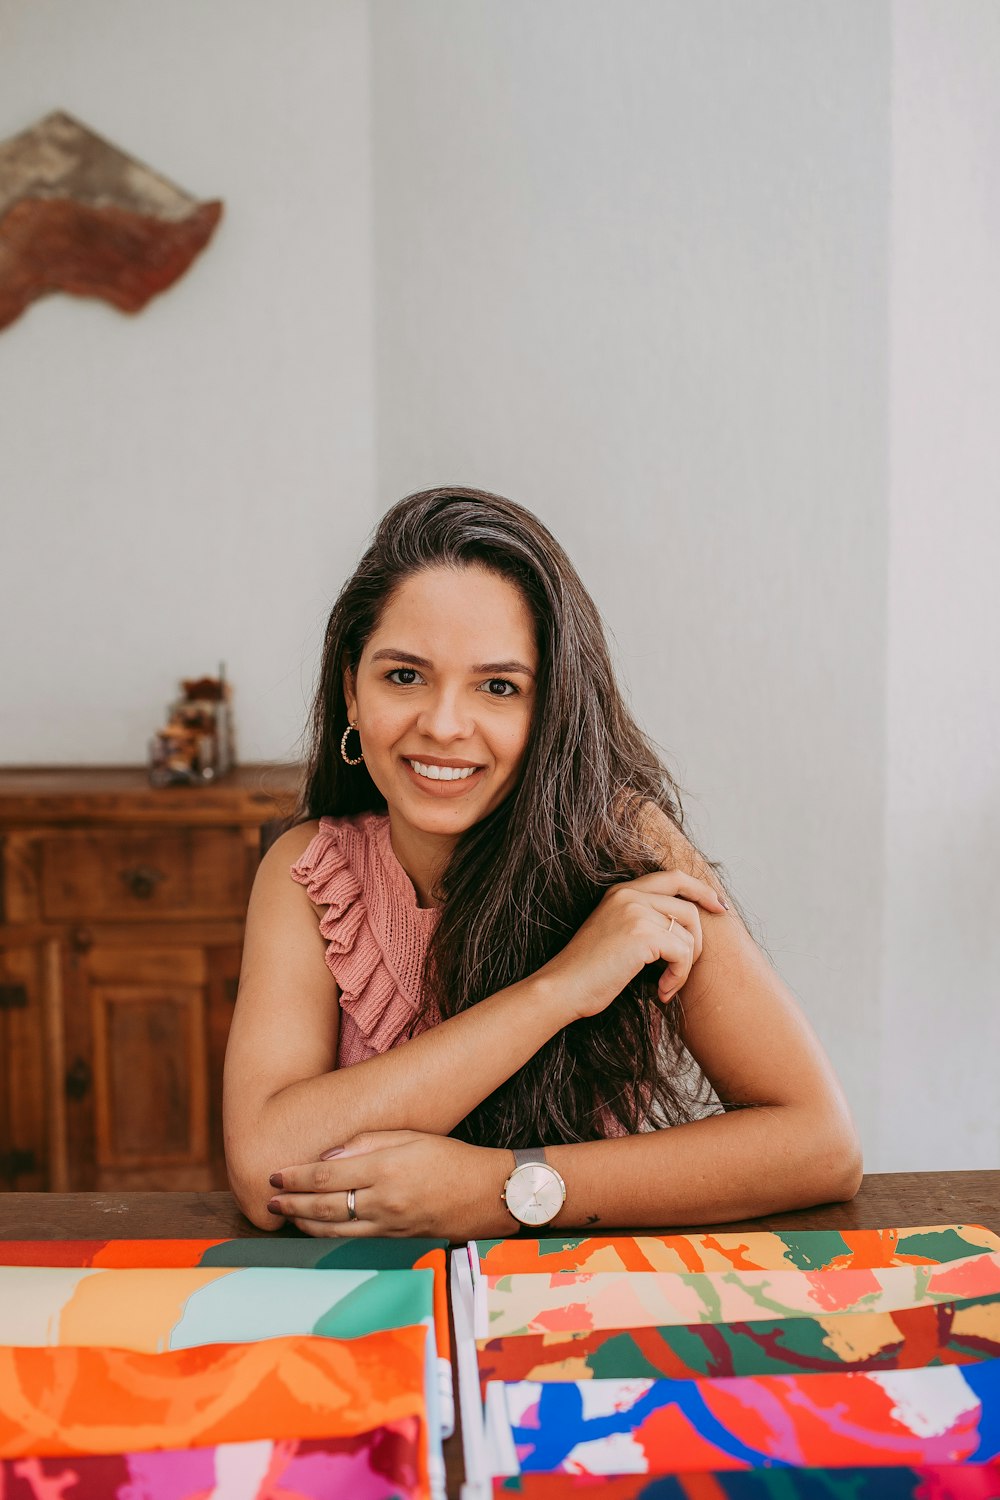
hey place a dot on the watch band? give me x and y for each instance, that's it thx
(525, 1154)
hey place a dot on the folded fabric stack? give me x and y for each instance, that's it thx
(176, 1369)
(733, 1366)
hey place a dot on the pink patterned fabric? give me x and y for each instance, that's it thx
(376, 934)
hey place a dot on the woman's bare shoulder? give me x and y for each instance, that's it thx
(668, 841)
(274, 870)
(293, 843)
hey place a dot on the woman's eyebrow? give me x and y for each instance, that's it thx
(388, 654)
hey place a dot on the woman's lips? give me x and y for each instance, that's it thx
(443, 788)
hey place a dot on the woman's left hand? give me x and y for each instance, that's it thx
(404, 1183)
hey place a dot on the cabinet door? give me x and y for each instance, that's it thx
(23, 1094)
(137, 1068)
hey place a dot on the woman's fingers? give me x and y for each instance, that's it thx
(679, 955)
(332, 1176)
(640, 908)
(680, 883)
(340, 1167)
(674, 927)
(684, 913)
(324, 1208)
(320, 1229)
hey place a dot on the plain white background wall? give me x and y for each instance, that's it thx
(633, 274)
(633, 264)
(940, 992)
(193, 483)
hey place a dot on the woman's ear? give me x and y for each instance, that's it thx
(350, 691)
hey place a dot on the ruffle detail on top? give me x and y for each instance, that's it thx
(376, 934)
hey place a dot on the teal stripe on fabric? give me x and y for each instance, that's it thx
(306, 1252)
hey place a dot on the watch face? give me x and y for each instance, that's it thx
(535, 1193)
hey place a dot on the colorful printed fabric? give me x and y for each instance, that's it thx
(940, 1482)
(273, 1251)
(150, 1311)
(907, 1417)
(575, 1302)
(760, 1250)
(942, 1333)
(304, 1253)
(276, 1251)
(76, 1401)
(379, 1465)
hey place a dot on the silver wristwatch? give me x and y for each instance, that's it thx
(534, 1192)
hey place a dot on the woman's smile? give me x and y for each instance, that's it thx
(442, 781)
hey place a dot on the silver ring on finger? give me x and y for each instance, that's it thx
(671, 927)
(352, 1212)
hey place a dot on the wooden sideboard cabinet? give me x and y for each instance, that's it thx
(121, 928)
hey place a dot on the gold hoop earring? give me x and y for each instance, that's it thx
(343, 747)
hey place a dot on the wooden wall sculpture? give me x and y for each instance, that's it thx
(77, 215)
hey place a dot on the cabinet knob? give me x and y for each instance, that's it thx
(16, 1162)
(78, 1079)
(142, 881)
(82, 939)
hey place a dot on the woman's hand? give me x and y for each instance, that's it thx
(404, 1183)
(639, 922)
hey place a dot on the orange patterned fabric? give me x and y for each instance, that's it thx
(72, 1401)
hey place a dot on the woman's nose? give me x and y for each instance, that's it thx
(444, 717)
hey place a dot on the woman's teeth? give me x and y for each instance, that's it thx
(443, 773)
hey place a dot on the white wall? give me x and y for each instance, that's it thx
(192, 483)
(632, 262)
(941, 984)
(631, 270)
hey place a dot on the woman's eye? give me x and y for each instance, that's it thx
(408, 672)
(503, 683)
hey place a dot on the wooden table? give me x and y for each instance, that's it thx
(885, 1200)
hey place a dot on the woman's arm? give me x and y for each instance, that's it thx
(284, 1098)
(792, 1145)
(788, 1142)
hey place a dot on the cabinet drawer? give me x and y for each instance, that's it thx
(111, 875)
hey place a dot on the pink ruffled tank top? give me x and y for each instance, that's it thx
(376, 934)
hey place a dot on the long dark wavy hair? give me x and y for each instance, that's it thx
(522, 881)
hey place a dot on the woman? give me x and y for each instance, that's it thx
(490, 934)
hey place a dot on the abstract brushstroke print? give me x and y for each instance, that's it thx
(759, 1250)
(909, 1417)
(270, 1250)
(943, 1333)
(380, 1465)
(940, 1482)
(576, 1301)
(303, 1253)
(151, 1311)
(77, 1401)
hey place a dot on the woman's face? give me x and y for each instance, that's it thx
(446, 683)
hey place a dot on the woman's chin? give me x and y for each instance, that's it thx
(445, 815)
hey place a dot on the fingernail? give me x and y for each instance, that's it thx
(273, 1208)
(275, 1180)
(723, 904)
(333, 1151)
